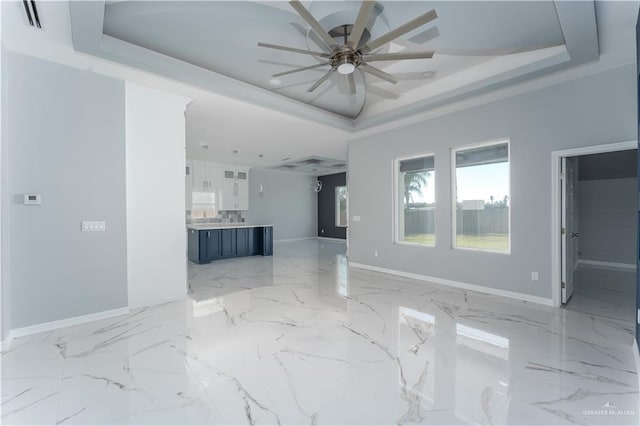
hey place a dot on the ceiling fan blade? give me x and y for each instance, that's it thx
(378, 73)
(280, 74)
(322, 80)
(352, 84)
(425, 36)
(366, 9)
(401, 30)
(293, 49)
(315, 25)
(398, 56)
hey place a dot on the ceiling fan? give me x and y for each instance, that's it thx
(353, 51)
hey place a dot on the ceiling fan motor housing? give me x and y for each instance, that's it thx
(345, 59)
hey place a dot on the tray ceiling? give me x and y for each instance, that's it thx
(214, 45)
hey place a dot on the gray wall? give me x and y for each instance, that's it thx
(607, 214)
(4, 202)
(592, 110)
(66, 141)
(286, 202)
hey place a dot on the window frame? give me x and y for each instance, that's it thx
(396, 200)
(454, 194)
(337, 206)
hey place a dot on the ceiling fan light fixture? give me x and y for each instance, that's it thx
(346, 68)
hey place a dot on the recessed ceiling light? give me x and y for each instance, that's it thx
(235, 151)
(275, 81)
(260, 155)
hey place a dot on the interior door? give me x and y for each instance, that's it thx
(569, 225)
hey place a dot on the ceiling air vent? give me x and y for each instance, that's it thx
(287, 166)
(32, 13)
(312, 161)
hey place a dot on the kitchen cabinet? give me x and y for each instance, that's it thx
(267, 241)
(205, 177)
(229, 243)
(215, 187)
(235, 190)
(242, 241)
(214, 244)
(206, 245)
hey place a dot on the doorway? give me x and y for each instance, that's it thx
(594, 228)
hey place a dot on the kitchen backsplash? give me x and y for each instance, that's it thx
(223, 216)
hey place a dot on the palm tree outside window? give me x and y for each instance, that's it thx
(415, 210)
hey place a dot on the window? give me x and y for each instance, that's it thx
(341, 206)
(415, 200)
(481, 185)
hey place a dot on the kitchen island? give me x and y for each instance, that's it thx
(213, 241)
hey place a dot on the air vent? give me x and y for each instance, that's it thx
(287, 166)
(312, 161)
(339, 166)
(31, 10)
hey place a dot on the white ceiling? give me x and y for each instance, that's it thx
(229, 115)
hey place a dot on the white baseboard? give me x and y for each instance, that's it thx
(466, 286)
(333, 240)
(614, 265)
(636, 354)
(294, 239)
(54, 325)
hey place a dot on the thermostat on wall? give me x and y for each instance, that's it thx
(32, 199)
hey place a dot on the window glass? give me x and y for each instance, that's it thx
(416, 200)
(482, 198)
(341, 206)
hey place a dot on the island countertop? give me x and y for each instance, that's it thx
(210, 226)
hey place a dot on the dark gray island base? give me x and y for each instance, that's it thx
(224, 242)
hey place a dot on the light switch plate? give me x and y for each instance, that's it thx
(99, 226)
(356, 218)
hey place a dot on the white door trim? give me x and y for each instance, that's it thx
(556, 157)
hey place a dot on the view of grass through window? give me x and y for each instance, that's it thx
(416, 200)
(482, 198)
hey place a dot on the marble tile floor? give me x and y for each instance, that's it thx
(605, 293)
(300, 338)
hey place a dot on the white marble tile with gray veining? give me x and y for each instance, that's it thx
(300, 338)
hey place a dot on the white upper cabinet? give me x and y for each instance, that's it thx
(226, 187)
(235, 194)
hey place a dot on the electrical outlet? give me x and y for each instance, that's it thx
(534, 276)
(638, 316)
(375, 253)
(322, 231)
(356, 218)
(93, 226)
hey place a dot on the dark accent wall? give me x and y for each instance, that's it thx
(638, 251)
(327, 206)
(609, 165)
